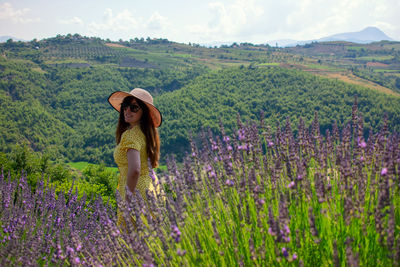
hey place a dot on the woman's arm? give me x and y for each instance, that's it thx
(133, 169)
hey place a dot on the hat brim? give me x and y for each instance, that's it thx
(116, 98)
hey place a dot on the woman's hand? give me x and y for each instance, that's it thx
(133, 169)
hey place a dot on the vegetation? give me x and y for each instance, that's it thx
(241, 199)
(240, 194)
(279, 93)
(53, 92)
(37, 168)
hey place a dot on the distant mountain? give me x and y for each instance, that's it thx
(4, 39)
(368, 35)
(365, 36)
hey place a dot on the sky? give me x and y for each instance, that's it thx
(200, 21)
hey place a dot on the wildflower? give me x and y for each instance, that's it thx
(243, 147)
(286, 229)
(291, 185)
(208, 168)
(294, 256)
(241, 135)
(270, 144)
(362, 144)
(271, 232)
(229, 182)
(176, 233)
(285, 252)
(212, 174)
(226, 138)
(214, 146)
(384, 171)
(77, 260)
(180, 252)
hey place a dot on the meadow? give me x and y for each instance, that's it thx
(256, 197)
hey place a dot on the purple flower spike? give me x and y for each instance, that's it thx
(229, 182)
(241, 135)
(294, 256)
(285, 252)
(209, 168)
(363, 144)
(181, 252)
(270, 144)
(270, 231)
(176, 233)
(384, 171)
(292, 184)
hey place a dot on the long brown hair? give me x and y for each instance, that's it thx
(147, 127)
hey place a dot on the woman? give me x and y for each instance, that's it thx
(137, 141)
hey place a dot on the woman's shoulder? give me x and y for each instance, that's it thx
(134, 132)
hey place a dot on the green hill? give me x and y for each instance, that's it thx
(279, 93)
(53, 92)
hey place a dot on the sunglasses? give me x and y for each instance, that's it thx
(133, 107)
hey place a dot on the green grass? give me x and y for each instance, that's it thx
(357, 48)
(66, 61)
(82, 165)
(322, 67)
(269, 64)
(376, 58)
(182, 55)
(386, 70)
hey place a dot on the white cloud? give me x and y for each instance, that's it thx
(157, 22)
(312, 19)
(229, 21)
(123, 21)
(8, 12)
(126, 25)
(73, 21)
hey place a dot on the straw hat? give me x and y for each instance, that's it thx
(116, 98)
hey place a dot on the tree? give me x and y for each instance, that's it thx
(397, 83)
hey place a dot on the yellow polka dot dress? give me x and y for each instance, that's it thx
(132, 139)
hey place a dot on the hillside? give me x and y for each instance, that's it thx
(53, 92)
(279, 93)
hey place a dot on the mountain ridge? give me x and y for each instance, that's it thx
(367, 35)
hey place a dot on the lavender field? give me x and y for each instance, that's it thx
(255, 198)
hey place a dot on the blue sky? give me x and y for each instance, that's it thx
(206, 21)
